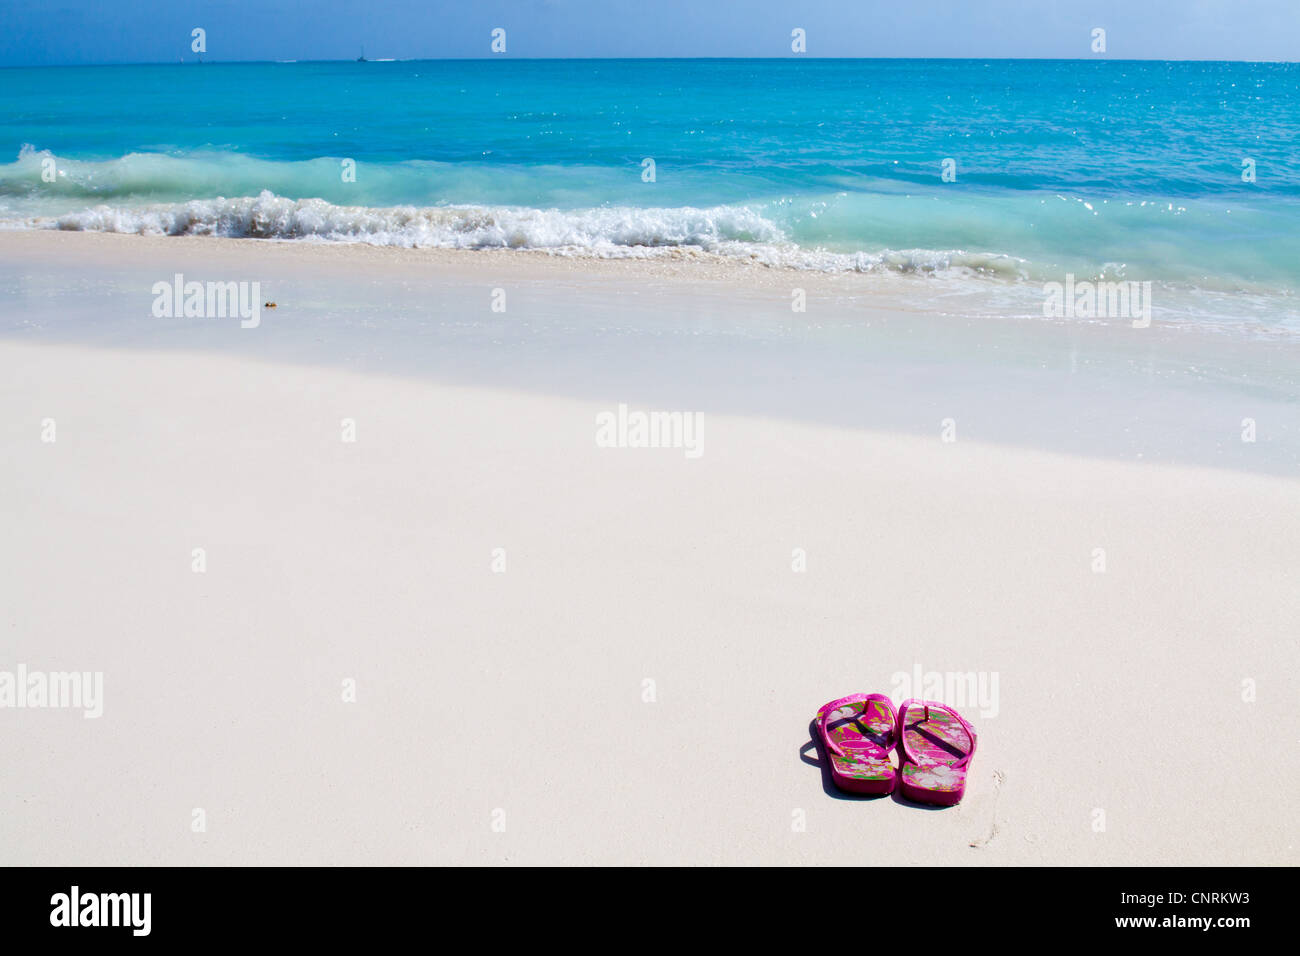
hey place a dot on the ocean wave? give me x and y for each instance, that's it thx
(567, 208)
(607, 232)
(41, 174)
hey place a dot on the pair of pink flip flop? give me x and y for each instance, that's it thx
(935, 747)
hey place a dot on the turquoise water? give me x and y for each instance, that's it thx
(1107, 169)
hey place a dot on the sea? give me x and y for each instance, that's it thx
(1012, 174)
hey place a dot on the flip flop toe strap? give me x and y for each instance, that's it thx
(824, 715)
(929, 705)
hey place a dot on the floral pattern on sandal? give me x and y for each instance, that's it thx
(857, 733)
(935, 747)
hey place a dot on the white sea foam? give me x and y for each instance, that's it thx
(607, 232)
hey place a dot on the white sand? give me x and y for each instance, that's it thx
(523, 690)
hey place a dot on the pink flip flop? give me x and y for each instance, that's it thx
(857, 734)
(935, 746)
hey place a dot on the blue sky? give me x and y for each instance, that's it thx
(51, 32)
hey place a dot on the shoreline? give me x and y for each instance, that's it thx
(532, 262)
(868, 351)
(991, 296)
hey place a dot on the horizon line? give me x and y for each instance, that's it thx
(197, 61)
